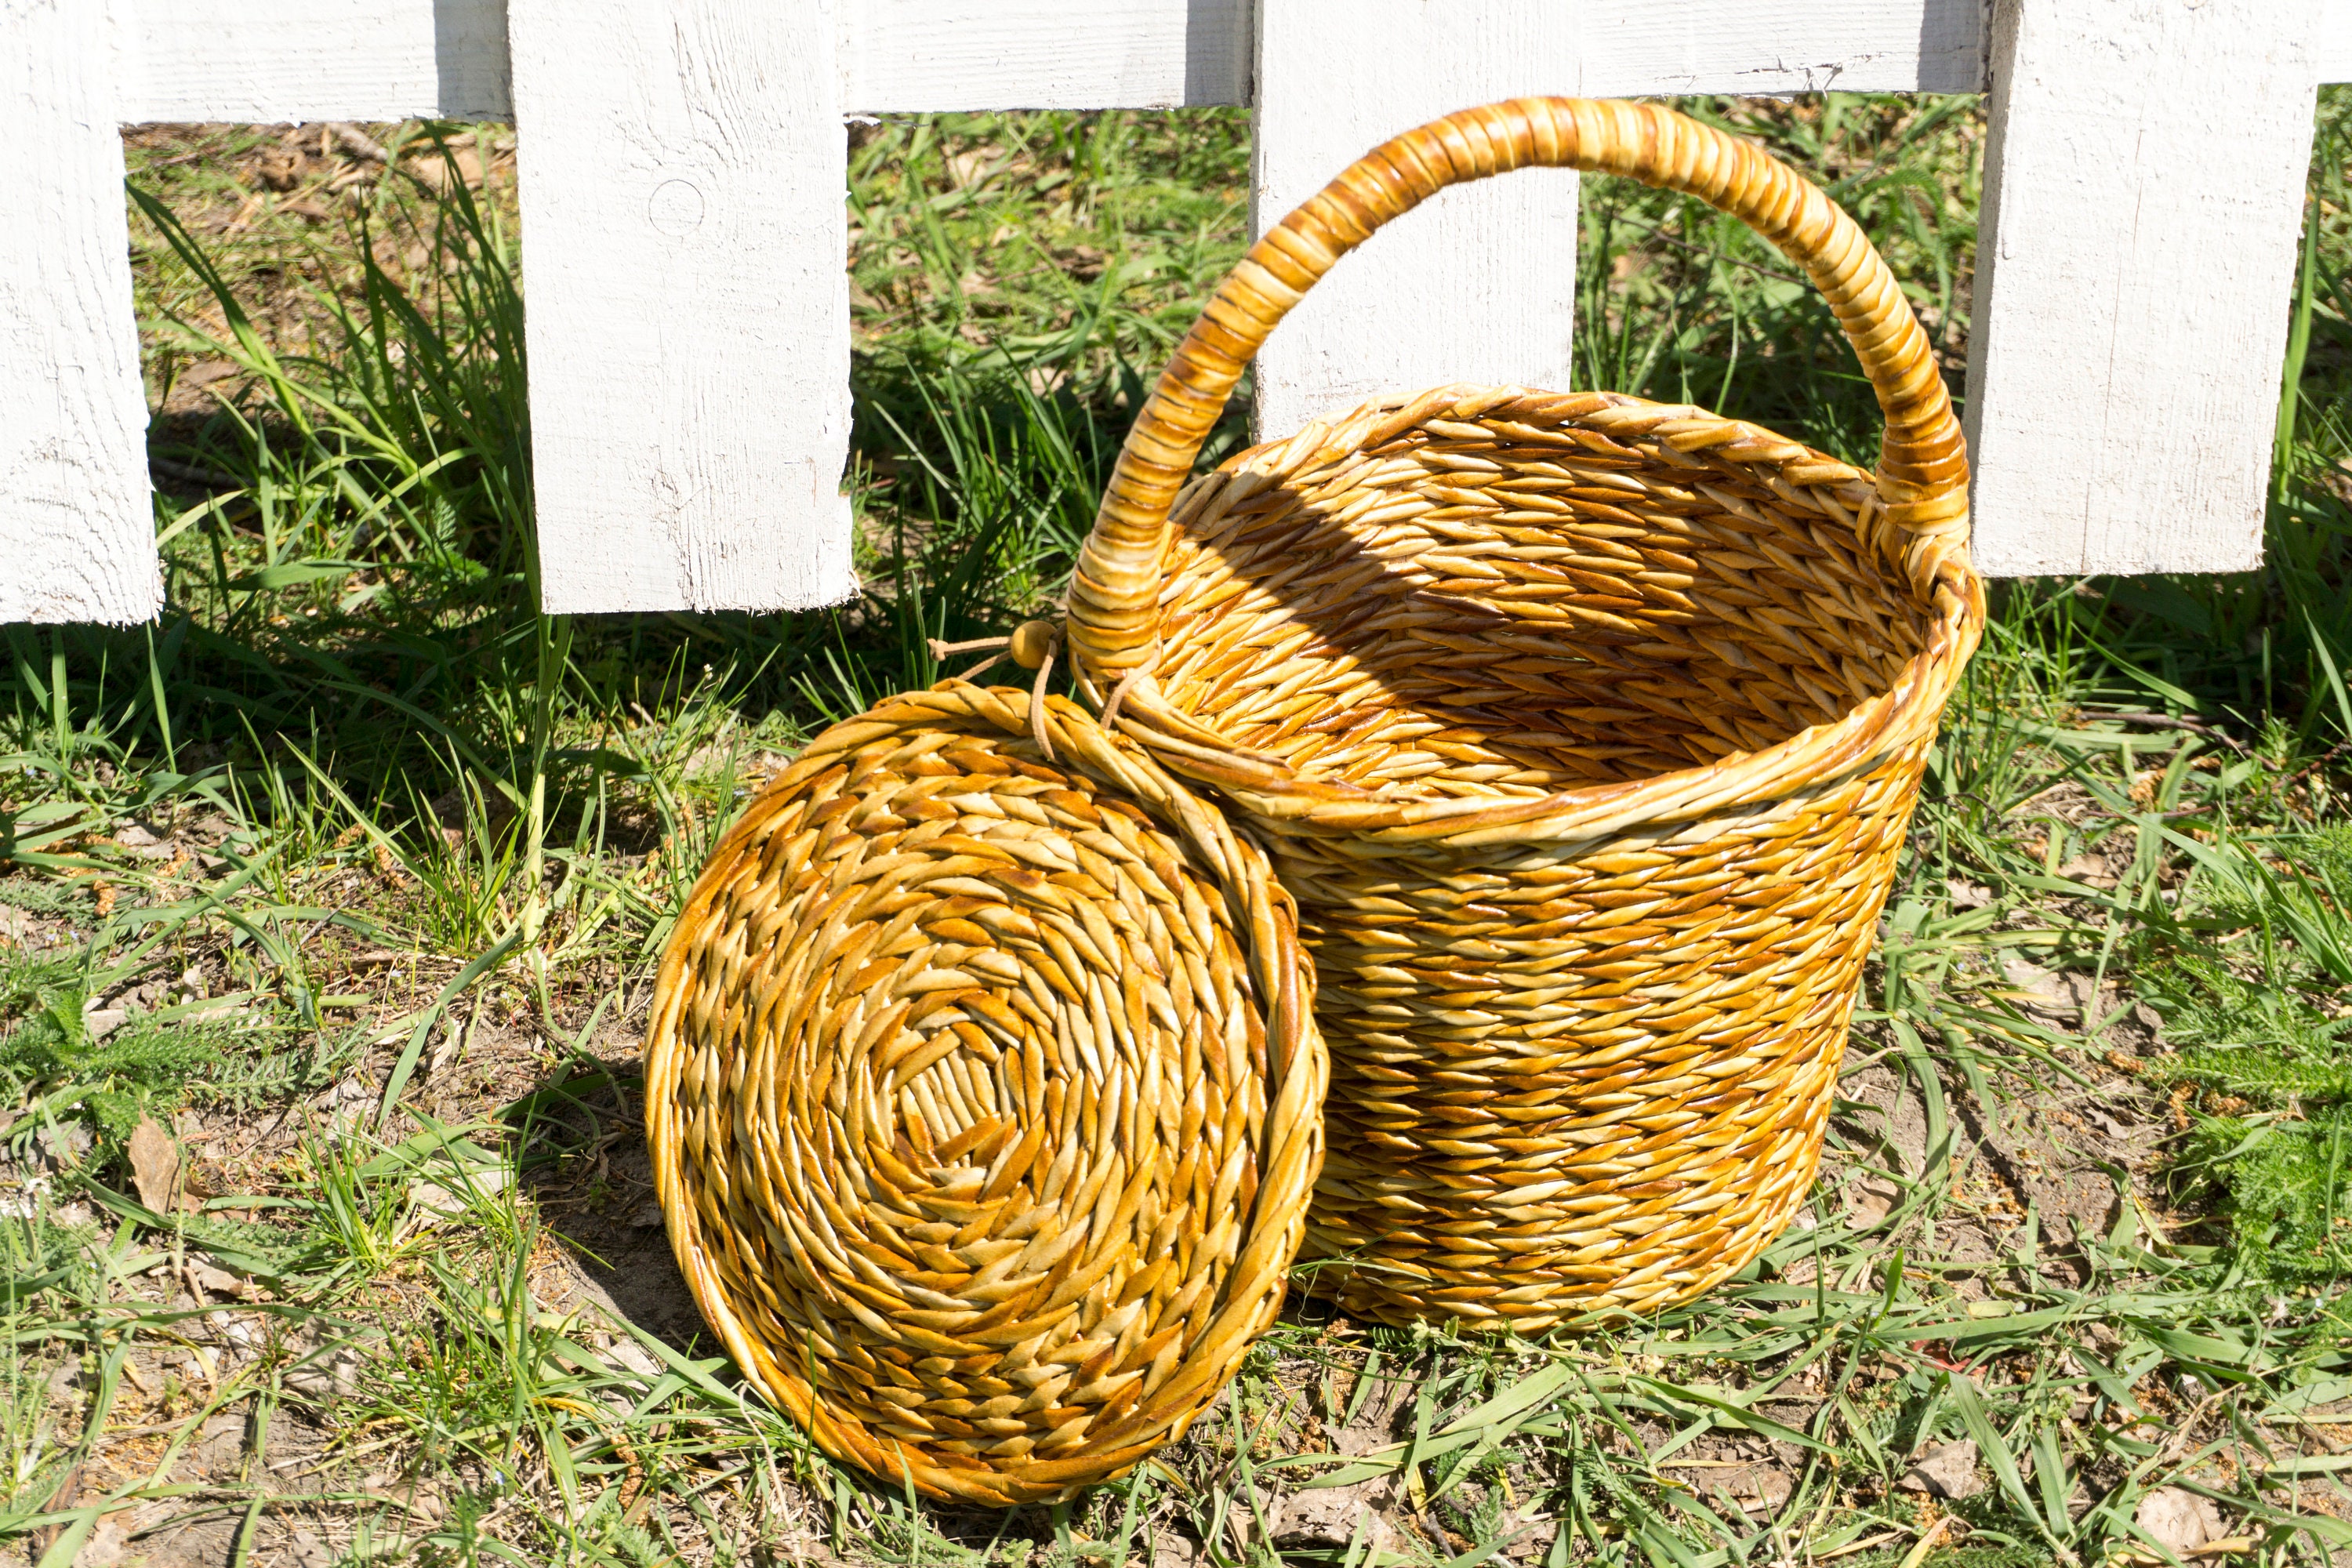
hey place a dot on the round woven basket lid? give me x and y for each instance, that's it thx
(984, 1096)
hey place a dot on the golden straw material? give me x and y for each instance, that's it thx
(983, 1095)
(1583, 728)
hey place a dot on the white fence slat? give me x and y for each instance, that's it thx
(898, 54)
(1478, 284)
(2143, 198)
(76, 525)
(686, 301)
(2332, 46)
(262, 61)
(1639, 47)
(266, 60)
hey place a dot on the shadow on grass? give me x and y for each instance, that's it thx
(584, 1161)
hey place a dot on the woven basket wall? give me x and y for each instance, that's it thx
(1583, 728)
(982, 1093)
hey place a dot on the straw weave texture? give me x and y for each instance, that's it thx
(1585, 731)
(983, 1092)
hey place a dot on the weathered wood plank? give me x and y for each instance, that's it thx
(76, 526)
(1634, 48)
(262, 61)
(1478, 284)
(898, 54)
(680, 179)
(269, 60)
(2143, 194)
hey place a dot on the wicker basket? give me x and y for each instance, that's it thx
(1583, 728)
(983, 1094)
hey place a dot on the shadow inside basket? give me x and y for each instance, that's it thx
(1518, 605)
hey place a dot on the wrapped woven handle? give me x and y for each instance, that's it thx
(1922, 474)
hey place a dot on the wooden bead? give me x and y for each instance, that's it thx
(1032, 641)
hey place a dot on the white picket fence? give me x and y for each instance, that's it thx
(681, 175)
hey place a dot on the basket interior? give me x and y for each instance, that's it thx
(1516, 607)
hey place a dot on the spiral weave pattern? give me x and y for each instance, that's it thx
(983, 1094)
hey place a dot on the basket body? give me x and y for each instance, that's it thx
(1597, 1078)
(982, 1091)
(1587, 758)
(1586, 730)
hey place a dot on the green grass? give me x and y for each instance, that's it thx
(348, 874)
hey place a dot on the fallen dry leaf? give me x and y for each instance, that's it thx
(1946, 1470)
(1967, 895)
(2090, 871)
(280, 168)
(1761, 1488)
(357, 143)
(1870, 1201)
(972, 166)
(460, 1192)
(105, 1545)
(143, 841)
(2180, 1519)
(324, 1378)
(2049, 993)
(154, 1165)
(1333, 1517)
(444, 174)
(219, 1283)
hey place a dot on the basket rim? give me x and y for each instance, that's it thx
(1405, 814)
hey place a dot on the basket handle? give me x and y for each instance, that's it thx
(1923, 473)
